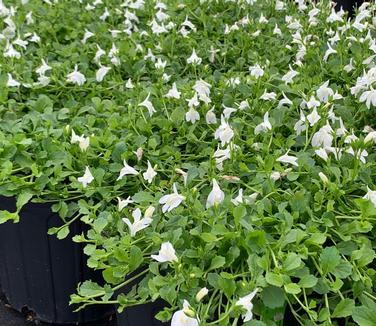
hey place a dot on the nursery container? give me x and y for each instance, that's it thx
(141, 315)
(348, 5)
(38, 272)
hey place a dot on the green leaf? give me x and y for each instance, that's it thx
(344, 308)
(89, 288)
(239, 212)
(367, 208)
(291, 262)
(8, 216)
(208, 237)
(292, 288)
(227, 286)
(23, 199)
(143, 197)
(308, 281)
(364, 316)
(273, 297)
(63, 232)
(329, 259)
(217, 262)
(136, 258)
(274, 279)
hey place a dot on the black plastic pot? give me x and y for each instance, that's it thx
(142, 315)
(39, 272)
(348, 5)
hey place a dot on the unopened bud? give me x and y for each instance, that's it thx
(149, 212)
(323, 177)
(202, 293)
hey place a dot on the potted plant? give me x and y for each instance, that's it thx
(253, 201)
(216, 155)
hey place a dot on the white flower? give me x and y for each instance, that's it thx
(192, 115)
(256, 71)
(147, 104)
(122, 203)
(202, 89)
(184, 317)
(166, 254)
(100, 52)
(139, 153)
(41, 70)
(76, 77)
(171, 201)
(289, 76)
(227, 111)
(101, 73)
(221, 155)
(86, 178)
(359, 154)
(268, 96)
(150, 173)
(12, 82)
(300, 125)
(370, 137)
(138, 223)
(201, 294)
(210, 117)
(277, 30)
(173, 92)
(192, 102)
(312, 103)
(160, 64)
(369, 97)
(126, 170)
(284, 101)
(323, 137)
(324, 92)
(371, 196)
(87, 35)
(329, 52)
(239, 198)
(313, 117)
(246, 303)
(216, 196)
(321, 152)
(224, 132)
(11, 52)
(275, 176)
(194, 58)
(83, 142)
(129, 84)
(263, 126)
(183, 174)
(288, 159)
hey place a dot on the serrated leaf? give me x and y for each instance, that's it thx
(63, 232)
(292, 288)
(291, 262)
(329, 259)
(364, 316)
(23, 199)
(344, 308)
(308, 281)
(274, 279)
(217, 262)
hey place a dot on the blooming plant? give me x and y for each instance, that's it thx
(221, 152)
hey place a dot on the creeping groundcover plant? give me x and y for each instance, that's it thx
(221, 153)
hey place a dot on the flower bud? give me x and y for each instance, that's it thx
(323, 178)
(149, 212)
(189, 312)
(202, 293)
